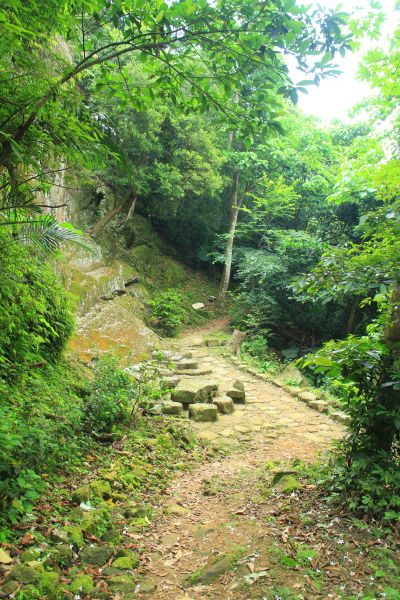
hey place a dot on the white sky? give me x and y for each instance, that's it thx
(334, 97)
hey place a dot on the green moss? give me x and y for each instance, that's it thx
(83, 584)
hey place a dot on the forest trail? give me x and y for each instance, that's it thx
(218, 508)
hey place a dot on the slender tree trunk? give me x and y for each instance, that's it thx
(392, 333)
(235, 207)
(109, 216)
(385, 430)
(131, 210)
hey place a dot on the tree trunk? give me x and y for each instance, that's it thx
(131, 210)
(385, 429)
(235, 207)
(109, 216)
(392, 333)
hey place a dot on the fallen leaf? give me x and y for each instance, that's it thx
(250, 566)
(27, 539)
(5, 558)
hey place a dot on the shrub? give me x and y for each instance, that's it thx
(36, 320)
(167, 311)
(111, 394)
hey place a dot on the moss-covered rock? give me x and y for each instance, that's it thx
(82, 584)
(49, 584)
(74, 535)
(24, 574)
(10, 587)
(126, 562)
(100, 489)
(81, 494)
(122, 583)
(30, 555)
(96, 555)
(287, 484)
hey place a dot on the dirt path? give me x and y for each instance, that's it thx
(220, 506)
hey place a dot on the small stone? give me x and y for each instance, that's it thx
(170, 539)
(236, 394)
(187, 364)
(146, 587)
(172, 408)
(224, 405)
(239, 385)
(278, 382)
(340, 417)
(306, 397)
(321, 406)
(81, 494)
(203, 413)
(176, 510)
(24, 574)
(197, 305)
(207, 436)
(96, 555)
(83, 584)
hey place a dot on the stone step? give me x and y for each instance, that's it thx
(185, 365)
(195, 372)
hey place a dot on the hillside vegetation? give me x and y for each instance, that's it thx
(152, 158)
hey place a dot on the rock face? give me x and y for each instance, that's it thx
(203, 412)
(224, 405)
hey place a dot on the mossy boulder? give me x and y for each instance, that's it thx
(111, 536)
(203, 412)
(122, 583)
(82, 584)
(96, 555)
(10, 587)
(100, 489)
(30, 555)
(49, 584)
(74, 535)
(81, 494)
(214, 569)
(172, 408)
(287, 484)
(146, 587)
(126, 562)
(24, 574)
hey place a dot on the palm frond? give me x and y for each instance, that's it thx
(47, 234)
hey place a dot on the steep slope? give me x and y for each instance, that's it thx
(113, 284)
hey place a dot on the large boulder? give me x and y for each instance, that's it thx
(172, 408)
(224, 405)
(190, 391)
(203, 412)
